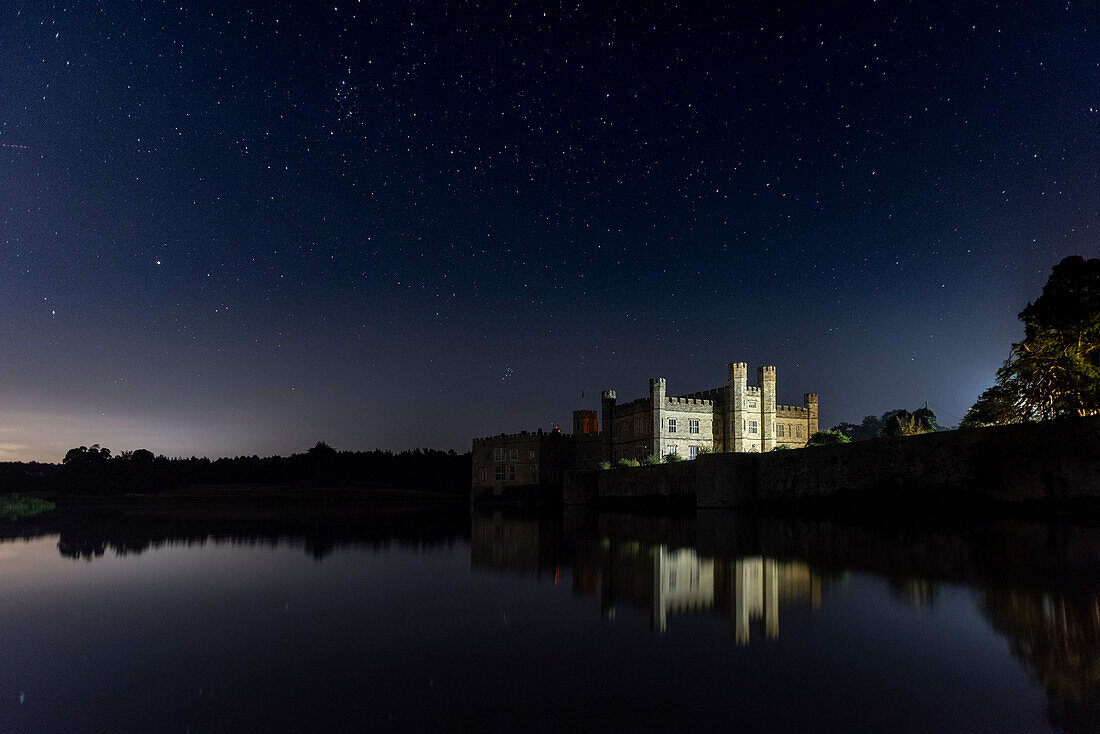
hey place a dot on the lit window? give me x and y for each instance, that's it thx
(779, 430)
(672, 450)
(693, 451)
(672, 425)
(693, 425)
(752, 426)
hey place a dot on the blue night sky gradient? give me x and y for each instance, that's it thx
(233, 229)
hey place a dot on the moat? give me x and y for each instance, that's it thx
(216, 619)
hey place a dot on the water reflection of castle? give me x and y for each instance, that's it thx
(666, 581)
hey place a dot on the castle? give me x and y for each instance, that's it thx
(730, 418)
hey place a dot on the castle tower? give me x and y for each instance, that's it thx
(607, 402)
(738, 377)
(657, 403)
(809, 400)
(585, 422)
(765, 378)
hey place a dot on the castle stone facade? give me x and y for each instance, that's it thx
(736, 417)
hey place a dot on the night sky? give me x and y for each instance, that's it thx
(233, 229)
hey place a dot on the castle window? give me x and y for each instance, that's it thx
(498, 454)
(672, 450)
(693, 451)
(638, 426)
(693, 425)
(512, 473)
(513, 454)
(672, 425)
(752, 403)
(498, 473)
(798, 431)
(531, 454)
(779, 430)
(752, 426)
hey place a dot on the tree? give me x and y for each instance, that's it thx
(904, 423)
(1055, 370)
(851, 430)
(827, 438)
(994, 407)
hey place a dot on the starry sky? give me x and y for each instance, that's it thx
(232, 228)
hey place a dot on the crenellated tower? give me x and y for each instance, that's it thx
(765, 378)
(607, 403)
(657, 403)
(809, 401)
(739, 380)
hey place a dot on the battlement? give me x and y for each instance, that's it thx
(810, 397)
(752, 389)
(688, 401)
(790, 409)
(766, 372)
(625, 407)
(608, 395)
(555, 435)
(718, 394)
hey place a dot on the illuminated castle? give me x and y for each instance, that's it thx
(731, 418)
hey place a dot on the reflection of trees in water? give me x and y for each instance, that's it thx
(1057, 637)
(90, 536)
(915, 592)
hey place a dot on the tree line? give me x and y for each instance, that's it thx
(96, 469)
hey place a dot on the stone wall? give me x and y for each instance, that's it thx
(1051, 460)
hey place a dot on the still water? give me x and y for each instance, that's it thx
(360, 621)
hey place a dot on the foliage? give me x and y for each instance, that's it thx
(827, 438)
(994, 407)
(1055, 370)
(896, 422)
(14, 506)
(651, 460)
(781, 447)
(94, 470)
(673, 458)
(851, 430)
(626, 463)
(904, 423)
(604, 465)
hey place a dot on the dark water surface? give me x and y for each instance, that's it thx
(248, 621)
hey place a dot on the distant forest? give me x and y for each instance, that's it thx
(94, 470)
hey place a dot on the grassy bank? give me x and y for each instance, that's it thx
(14, 505)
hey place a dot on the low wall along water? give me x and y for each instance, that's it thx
(1053, 460)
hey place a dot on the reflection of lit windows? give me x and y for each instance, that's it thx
(672, 450)
(693, 425)
(779, 430)
(752, 426)
(693, 451)
(672, 425)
